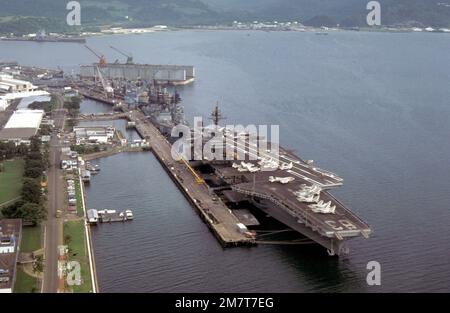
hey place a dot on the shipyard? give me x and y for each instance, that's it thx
(233, 196)
(293, 191)
(236, 195)
(211, 147)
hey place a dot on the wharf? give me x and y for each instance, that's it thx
(102, 117)
(95, 96)
(110, 152)
(213, 211)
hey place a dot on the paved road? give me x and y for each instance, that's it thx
(53, 226)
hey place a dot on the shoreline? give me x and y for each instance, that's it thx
(308, 29)
(89, 243)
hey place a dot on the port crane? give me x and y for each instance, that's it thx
(128, 56)
(109, 91)
(101, 58)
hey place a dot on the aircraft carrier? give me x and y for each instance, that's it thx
(287, 188)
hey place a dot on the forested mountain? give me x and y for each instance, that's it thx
(25, 15)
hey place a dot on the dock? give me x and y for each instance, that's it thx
(102, 117)
(294, 191)
(221, 221)
(108, 216)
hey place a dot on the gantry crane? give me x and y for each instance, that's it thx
(128, 56)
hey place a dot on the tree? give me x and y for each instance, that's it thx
(30, 163)
(33, 172)
(31, 191)
(34, 156)
(67, 239)
(32, 213)
(35, 144)
(10, 211)
(22, 149)
(38, 265)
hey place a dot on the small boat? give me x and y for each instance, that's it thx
(93, 169)
(86, 176)
(129, 214)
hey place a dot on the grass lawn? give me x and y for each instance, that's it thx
(11, 180)
(25, 283)
(78, 252)
(31, 239)
(79, 199)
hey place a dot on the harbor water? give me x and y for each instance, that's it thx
(373, 107)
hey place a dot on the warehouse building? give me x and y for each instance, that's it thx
(11, 89)
(10, 85)
(22, 125)
(95, 134)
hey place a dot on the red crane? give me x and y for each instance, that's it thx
(101, 59)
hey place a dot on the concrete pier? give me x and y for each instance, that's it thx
(110, 152)
(221, 221)
(213, 211)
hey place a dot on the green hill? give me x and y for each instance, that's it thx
(27, 15)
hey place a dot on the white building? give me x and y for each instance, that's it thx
(98, 134)
(25, 119)
(11, 89)
(3, 104)
(24, 94)
(22, 125)
(9, 84)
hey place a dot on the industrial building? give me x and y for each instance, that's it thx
(11, 89)
(96, 134)
(10, 85)
(5, 99)
(3, 104)
(174, 74)
(10, 236)
(22, 125)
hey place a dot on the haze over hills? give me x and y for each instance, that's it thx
(350, 12)
(51, 13)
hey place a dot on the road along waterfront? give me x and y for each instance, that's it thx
(87, 231)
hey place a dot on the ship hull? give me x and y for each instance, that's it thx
(334, 246)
